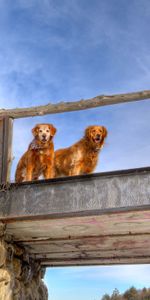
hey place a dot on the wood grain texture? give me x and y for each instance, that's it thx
(51, 230)
(8, 126)
(5, 148)
(83, 195)
(100, 243)
(1, 148)
(99, 239)
(60, 107)
(95, 261)
(99, 219)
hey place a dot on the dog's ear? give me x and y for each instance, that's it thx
(104, 132)
(88, 132)
(35, 130)
(52, 129)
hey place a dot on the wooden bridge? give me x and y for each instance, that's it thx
(96, 219)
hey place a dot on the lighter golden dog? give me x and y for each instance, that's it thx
(82, 157)
(39, 158)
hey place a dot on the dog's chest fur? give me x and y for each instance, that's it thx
(90, 161)
(41, 157)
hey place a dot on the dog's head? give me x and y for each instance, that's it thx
(44, 132)
(96, 135)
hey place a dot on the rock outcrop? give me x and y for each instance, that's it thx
(20, 275)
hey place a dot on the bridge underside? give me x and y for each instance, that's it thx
(98, 219)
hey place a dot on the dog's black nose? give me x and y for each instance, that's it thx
(43, 137)
(98, 136)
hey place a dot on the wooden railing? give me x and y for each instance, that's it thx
(7, 116)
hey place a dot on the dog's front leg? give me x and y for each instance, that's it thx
(29, 172)
(76, 170)
(49, 172)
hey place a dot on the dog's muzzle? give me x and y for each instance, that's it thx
(44, 139)
(97, 138)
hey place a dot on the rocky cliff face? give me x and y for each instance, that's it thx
(20, 276)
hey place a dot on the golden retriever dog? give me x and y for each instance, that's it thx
(39, 158)
(82, 157)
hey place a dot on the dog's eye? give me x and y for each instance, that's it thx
(40, 130)
(47, 130)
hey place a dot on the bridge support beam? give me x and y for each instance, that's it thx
(20, 276)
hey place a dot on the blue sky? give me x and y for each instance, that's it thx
(78, 283)
(68, 50)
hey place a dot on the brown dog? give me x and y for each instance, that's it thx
(39, 158)
(82, 157)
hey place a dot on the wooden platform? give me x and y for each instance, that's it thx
(96, 219)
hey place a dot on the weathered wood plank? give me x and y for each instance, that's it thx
(5, 148)
(1, 148)
(87, 244)
(97, 219)
(78, 195)
(96, 261)
(53, 241)
(75, 106)
(123, 223)
(93, 254)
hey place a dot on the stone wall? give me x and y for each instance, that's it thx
(20, 276)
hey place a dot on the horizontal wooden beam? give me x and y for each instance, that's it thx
(60, 107)
(77, 195)
(84, 244)
(96, 261)
(108, 239)
(95, 254)
(58, 231)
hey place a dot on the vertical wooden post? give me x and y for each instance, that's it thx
(5, 149)
(1, 148)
